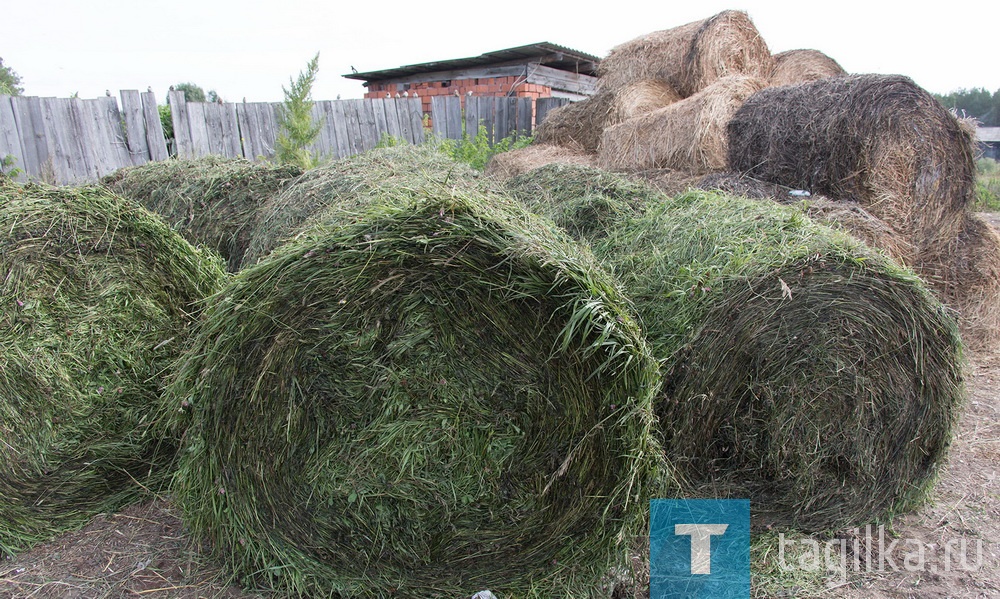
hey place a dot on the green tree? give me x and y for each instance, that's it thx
(976, 102)
(10, 82)
(297, 129)
(192, 92)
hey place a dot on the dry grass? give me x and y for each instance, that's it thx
(510, 164)
(689, 135)
(577, 126)
(803, 66)
(690, 57)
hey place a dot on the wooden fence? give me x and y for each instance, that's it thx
(74, 141)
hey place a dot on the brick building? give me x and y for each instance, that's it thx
(541, 70)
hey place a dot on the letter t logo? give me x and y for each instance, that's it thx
(701, 544)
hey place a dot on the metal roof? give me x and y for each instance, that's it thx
(991, 134)
(551, 55)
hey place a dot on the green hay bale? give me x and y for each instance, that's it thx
(801, 368)
(211, 201)
(98, 297)
(428, 392)
(350, 185)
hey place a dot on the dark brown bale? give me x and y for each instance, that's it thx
(878, 140)
(803, 66)
(692, 56)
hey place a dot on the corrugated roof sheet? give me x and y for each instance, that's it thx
(991, 134)
(554, 55)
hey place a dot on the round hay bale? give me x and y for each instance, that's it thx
(690, 57)
(577, 126)
(965, 272)
(585, 201)
(506, 165)
(878, 140)
(802, 369)
(98, 297)
(349, 184)
(640, 98)
(847, 216)
(689, 135)
(803, 66)
(427, 392)
(211, 201)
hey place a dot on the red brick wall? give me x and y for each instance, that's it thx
(485, 86)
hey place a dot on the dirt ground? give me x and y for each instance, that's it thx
(947, 549)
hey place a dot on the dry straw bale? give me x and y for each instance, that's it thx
(98, 297)
(427, 392)
(803, 66)
(641, 97)
(848, 216)
(577, 125)
(211, 201)
(689, 135)
(802, 369)
(879, 140)
(690, 57)
(505, 165)
(965, 271)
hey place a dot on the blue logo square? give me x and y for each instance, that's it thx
(699, 549)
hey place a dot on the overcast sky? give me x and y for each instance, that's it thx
(249, 49)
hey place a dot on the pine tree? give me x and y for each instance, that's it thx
(297, 129)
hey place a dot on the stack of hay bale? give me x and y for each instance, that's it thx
(706, 104)
(801, 368)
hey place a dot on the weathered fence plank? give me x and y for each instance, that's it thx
(544, 105)
(35, 149)
(525, 110)
(109, 122)
(58, 131)
(10, 139)
(135, 126)
(155, 140)
(322, 146)
(340, 128)
(183, 146)
(416, 120)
